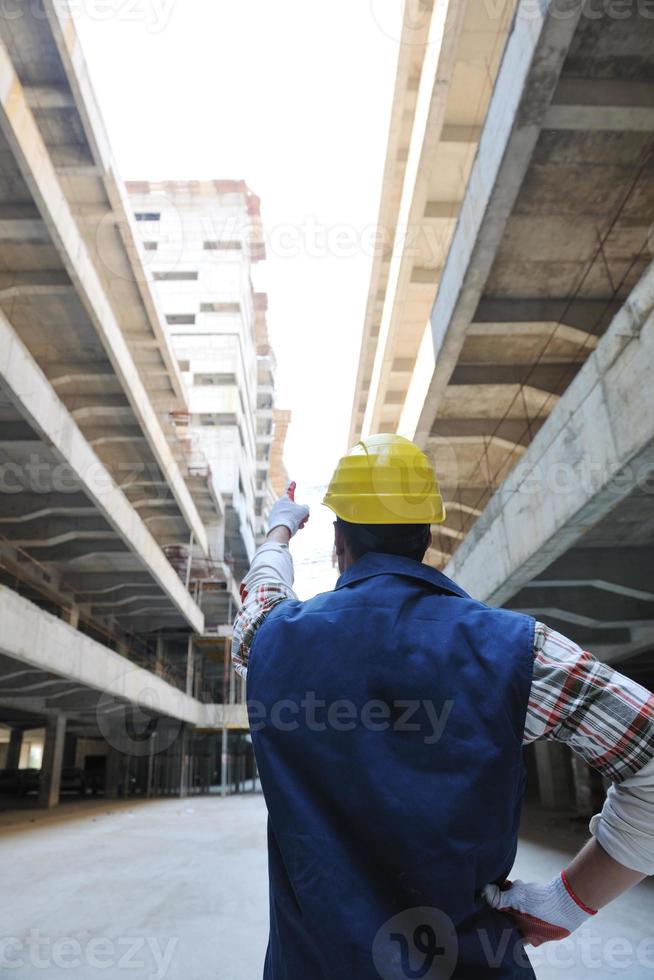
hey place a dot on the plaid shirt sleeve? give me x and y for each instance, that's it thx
(269, 581)
(257, 606)
(604, 716)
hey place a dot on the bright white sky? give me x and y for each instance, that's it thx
(295, 98)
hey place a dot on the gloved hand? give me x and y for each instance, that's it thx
(541, 912)
(287, 513)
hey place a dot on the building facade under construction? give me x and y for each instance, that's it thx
(136, 424)
(510, 317)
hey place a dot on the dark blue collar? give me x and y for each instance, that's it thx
(375, 563)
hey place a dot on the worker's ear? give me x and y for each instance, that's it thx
(339, 539)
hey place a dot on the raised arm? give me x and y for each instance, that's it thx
(270, 578)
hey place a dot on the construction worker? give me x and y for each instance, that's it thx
(388, 719)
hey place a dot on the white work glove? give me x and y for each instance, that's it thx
(287, 513)
(540, 912)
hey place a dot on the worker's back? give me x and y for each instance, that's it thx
(387, 720)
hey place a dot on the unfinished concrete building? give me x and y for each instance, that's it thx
(128, 452)
(510, 320)
(202, 239)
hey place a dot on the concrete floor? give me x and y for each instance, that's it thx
(178, 889)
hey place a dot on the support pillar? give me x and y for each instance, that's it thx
(159, 665)
(190, 665)
(14, 748)
(184, 762)
(70, 751)
(224, 760)
(71, 616)
(53, 757)
(554, 775)
(112, 774)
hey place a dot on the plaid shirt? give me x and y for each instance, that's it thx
(604, 716)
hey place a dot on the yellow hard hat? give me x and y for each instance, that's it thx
(385, 479)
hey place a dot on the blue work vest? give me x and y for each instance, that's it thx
(387, 720)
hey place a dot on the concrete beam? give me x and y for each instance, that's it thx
(91, 585)
(588, 315)
(136, 596)
(518, 431)
(65, 37)
(445, 210)
(553, 378)
(47, 97)
(23, 231)
(527, 79)
(511, 401)
(530, 343)
(36, 400)
(44, 282)
(85, 169)
(13, 433)
(610, 118)
(465, 135)
(585, 604)
(34, 637)
(411, 51)
(233, 716)
(50, 527)
(71, 547)
(24, 138)
(625, 571)
(601, 433)
(430, 130)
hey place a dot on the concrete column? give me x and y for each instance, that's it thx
(71, 616)
(14, 747)
(224, 760)
(554, 774)
(70, 751)
(149, 786)
(159, 666)
(115, 765)
(53, 757)
(190, 665)
(184, 761)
